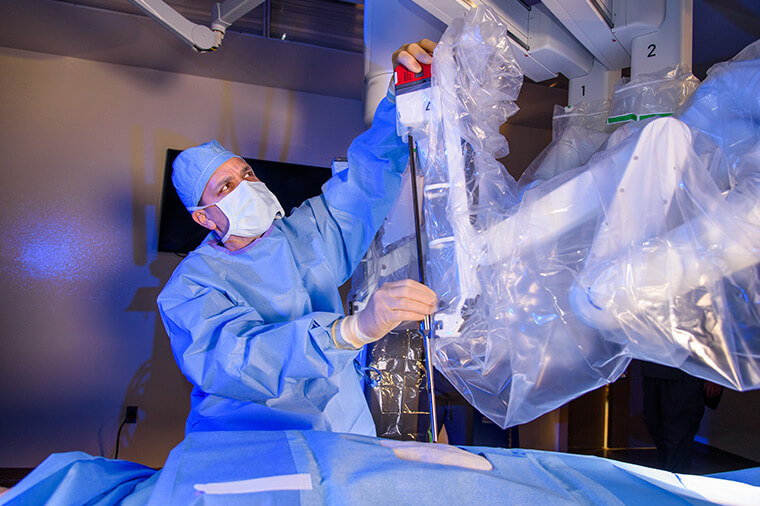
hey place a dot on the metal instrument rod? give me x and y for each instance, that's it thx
(427, 325)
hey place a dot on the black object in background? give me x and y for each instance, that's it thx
(291, 183)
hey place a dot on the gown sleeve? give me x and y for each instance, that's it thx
(229, 350)
(359, 198)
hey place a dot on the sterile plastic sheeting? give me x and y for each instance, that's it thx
(672, 271)
(691, 291)
(656, 94)
(725, 111)
(591, 115)
(476, 80)
(476, 61)
(577, 133)
(646, 251)
(751, 52)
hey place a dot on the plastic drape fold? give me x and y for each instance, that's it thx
(476, 80)
(651, 95)
(578, 132)
(465, 188)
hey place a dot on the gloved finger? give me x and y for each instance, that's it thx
(407, 60)
(407, 316)
(428, 45)
(409, 55)
(403, 283)
(410, 289)
(419, 54)
(416, 306)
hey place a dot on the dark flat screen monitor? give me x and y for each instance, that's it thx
(291, 183)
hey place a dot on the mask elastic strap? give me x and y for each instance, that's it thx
(199, 208)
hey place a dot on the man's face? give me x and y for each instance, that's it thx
(224, 179)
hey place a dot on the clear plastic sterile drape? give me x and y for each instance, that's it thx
(639, 243)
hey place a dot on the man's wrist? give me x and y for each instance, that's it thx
(347, 335)
(339, 332)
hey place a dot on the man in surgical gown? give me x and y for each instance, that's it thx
(254, 314)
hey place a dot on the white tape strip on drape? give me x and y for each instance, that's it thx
(268, 484)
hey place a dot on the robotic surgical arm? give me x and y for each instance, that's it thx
(649, 250)
(201, 38)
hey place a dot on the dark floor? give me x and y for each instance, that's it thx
(9, 476)
(705, 459)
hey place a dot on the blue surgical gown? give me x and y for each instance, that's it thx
(251, 329)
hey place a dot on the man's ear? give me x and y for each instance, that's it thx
(201, 218)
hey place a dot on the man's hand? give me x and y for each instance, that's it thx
(394, 303)
(411, 55)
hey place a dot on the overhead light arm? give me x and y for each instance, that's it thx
(229, 11)
(201, 38)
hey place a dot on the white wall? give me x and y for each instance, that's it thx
(82, 155)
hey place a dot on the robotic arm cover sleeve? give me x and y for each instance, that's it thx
(649, 250)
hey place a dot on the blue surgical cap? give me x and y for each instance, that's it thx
(193, 168)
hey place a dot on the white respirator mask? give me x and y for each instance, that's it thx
(250, 209)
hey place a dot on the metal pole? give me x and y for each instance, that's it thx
(427, 324)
